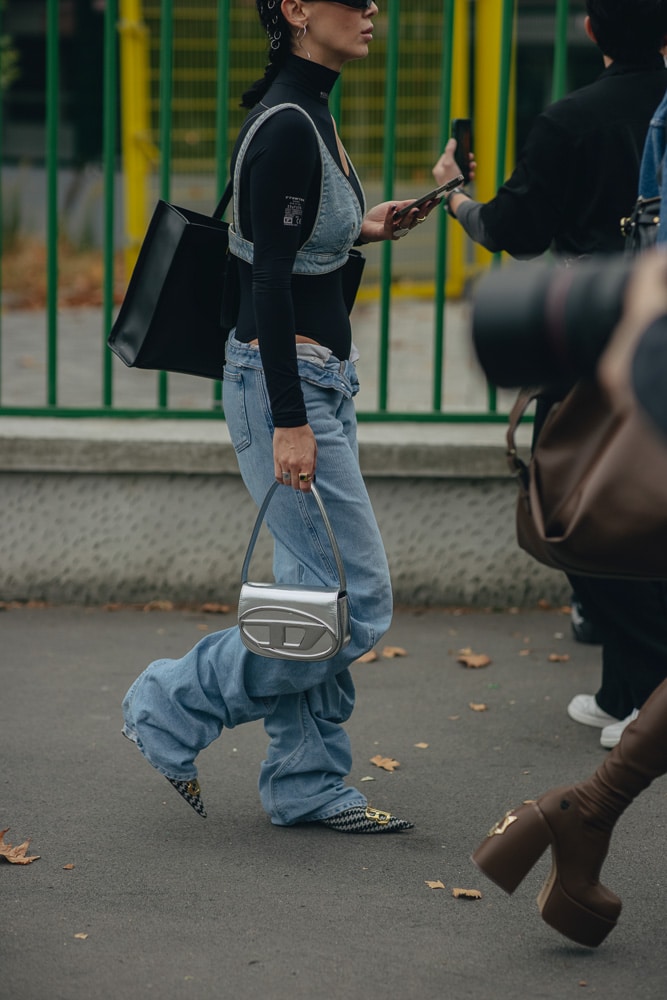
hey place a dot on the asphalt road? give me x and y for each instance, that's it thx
(162, 903)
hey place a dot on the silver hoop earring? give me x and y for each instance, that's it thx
(300, 35)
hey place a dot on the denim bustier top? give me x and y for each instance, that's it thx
(339, 214)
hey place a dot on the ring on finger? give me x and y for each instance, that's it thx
(287, 476)
(305, 477)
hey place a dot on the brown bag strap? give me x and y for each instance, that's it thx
(517, 466)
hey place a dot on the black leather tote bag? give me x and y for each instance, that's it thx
(171, 318)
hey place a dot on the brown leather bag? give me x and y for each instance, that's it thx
(593, 496)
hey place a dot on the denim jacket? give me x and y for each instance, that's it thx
(653, 176)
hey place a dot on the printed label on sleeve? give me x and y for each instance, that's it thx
(293, 211)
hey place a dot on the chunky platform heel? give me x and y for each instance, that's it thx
(571, 918)
(513, 846)
(578, 821)
(572, 900)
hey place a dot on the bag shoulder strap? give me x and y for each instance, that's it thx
(224, 201)
(327, 524)
(517, 466)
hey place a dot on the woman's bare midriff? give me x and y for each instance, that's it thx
(298, 337)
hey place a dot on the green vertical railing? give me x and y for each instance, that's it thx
(560, 50)
(393, 14)
(2, 219)
(221, 126)
(52, 121)
(110, 108)
(441, 236)
(166, 92)
(388, 159)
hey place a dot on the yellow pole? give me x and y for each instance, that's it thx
(137, 149)
(456, 238)
(485, 121)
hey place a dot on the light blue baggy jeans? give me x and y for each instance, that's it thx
(175, 708)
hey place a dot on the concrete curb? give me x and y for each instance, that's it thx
(122, 510)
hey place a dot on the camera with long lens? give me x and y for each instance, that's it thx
(542, 324)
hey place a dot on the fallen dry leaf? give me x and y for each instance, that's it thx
(473, 661)
(81, 937)
(159, 606)
(477, 706)
(211, 608)
(15, 855)
(466, 651)
(368, 778)
(421, 746)
(559, 657)
(391, 652)
(386, 763)
(68, 868)
(367, 657)
(524, 652)
(435, 885)
(466, 894)
(453, 718)
(544, 605)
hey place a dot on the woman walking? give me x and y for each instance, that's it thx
(289, 383)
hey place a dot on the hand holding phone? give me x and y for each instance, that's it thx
(430, 196)
(462, 132)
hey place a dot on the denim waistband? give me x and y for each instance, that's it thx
(310, 357)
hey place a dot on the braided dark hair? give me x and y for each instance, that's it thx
(280, 45)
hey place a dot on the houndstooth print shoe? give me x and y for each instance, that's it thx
(191, 792)
(366, 820)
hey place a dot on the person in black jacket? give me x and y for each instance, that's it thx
(576, 177)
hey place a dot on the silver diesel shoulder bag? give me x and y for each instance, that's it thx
(293, 621)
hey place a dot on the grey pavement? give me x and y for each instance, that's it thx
(162, 903)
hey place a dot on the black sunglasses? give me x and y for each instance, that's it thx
(356, 4)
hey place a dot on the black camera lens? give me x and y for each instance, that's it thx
(538, 324)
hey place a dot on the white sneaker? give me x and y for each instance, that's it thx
(610, 735)
(585, 709)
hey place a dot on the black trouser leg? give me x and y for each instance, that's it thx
(632, 615)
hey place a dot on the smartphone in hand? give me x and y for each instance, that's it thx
(429, 196)
(462, 132)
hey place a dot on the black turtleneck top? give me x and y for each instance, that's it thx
(282, 168)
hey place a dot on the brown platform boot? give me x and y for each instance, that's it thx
(577, 822)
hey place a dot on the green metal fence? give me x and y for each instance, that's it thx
(390, 161)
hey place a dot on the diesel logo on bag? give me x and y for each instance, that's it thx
(291, 621)
(267, 625)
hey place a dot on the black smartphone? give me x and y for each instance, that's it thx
(462, 132)
(435, 193)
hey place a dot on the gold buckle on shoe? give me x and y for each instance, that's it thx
(192, 787)
(378, 815)
(502, 825)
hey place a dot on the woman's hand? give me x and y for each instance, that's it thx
(446, 168)
(294, 456)
(381, 222)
